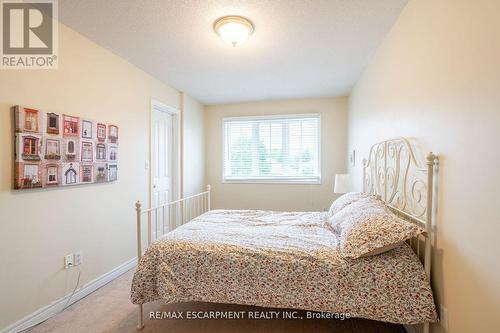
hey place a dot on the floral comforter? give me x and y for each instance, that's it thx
(281, 260)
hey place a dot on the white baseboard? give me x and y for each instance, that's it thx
(55, 307)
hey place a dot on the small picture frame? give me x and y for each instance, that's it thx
(352, 158)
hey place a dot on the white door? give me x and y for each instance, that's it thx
(161, 167)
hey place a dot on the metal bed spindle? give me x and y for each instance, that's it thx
(181, 210)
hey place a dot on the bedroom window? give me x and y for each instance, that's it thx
(284, 148)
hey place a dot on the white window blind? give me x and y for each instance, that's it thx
(272, 148)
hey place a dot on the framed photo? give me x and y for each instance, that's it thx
(55, 149)
(352, 158)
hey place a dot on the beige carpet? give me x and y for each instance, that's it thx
(109, 310)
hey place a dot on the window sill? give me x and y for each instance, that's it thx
(273, 181)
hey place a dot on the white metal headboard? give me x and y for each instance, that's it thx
(397, 173)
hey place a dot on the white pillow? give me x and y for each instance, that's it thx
(345, 200)
(367, 227)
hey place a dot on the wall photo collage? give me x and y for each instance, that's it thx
(58, 149)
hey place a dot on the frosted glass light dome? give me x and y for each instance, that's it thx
(234, 30)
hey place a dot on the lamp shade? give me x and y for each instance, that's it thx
(341, 183)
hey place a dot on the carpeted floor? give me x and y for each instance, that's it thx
(109, 310)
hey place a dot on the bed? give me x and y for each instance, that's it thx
(292, 259)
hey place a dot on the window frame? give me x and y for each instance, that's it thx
(84, 149)
(112, 175)
(34, 146)
(113, 137)
(50, 129)
(72, 171)
(101, 138)
(72, 141)
(34, 113)
(35, 167)
(273, 180)
(100, 146)
(67, 121)
(86, 123)
(112, 153)
(49, 167)
(87, 168)
(57, 154)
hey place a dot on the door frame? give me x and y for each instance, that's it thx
(176, 147)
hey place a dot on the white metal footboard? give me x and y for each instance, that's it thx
(165, 218)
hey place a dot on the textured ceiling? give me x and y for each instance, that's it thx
(300, 48)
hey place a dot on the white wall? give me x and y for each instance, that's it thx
(39, 227)
(193, 142)
(436, 78)
(279, 196)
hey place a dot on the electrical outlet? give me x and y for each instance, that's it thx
(443, 317)
(78, 257)
(68, 261)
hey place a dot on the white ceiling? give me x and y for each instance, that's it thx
(300, 48)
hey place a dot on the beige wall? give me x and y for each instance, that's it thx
(39, 227)
(436, 77)
(279, 196)
(193, 142)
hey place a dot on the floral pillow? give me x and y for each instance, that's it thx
(345, 200)
(367, 227)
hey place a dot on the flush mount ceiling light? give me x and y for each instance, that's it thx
(234, 30)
